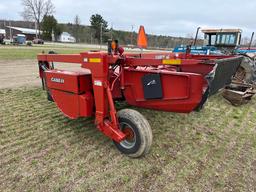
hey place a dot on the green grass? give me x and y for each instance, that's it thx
(41, 150)
(25, 52)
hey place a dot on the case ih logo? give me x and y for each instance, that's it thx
(57, 80)
(153, 82)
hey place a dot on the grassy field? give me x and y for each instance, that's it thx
(26, 52)
(41, 150)
(9, 52)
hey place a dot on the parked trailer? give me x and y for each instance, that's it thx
(153, 81)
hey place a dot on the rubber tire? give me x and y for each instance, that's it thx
(142, 131)
(249, 66)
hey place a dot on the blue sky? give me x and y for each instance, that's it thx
(166, 17)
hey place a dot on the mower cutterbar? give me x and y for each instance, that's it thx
(154, 82)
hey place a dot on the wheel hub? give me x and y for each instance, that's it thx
(129, 133)
(130, 139)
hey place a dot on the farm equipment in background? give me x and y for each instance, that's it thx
(38, 41)
(19, 39)
(2, 36)
(1, 39)
(159, 81)
(227, 42)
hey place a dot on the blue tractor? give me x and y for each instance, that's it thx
(228, 42)
(225, 42)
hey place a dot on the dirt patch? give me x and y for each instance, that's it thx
(24, 73)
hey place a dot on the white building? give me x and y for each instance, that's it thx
(2, 32)
(65, 37)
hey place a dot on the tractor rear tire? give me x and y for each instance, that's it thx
(247, 70)
(138, 131)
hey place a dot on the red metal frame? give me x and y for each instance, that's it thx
(182, 80)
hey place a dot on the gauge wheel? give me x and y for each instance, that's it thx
(138, 133)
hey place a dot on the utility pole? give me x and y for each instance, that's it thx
(101, 34)
(5, 28)
(132, 36)
(10, 31)
(111, 32)
(36, 29)
(53, 36)
(156, 42)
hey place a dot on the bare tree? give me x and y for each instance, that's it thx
(77, 20)
(245, 41)
(77, 23)
(35, 10)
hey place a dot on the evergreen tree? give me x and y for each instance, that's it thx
(99, 25)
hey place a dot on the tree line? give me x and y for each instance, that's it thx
(42, 13)
(99, 32)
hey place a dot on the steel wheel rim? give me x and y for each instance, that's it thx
(131, 141)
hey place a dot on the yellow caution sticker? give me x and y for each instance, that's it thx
(171, 61)
(94, 60)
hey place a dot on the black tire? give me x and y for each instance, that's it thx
(140, 137)
(249, 68)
